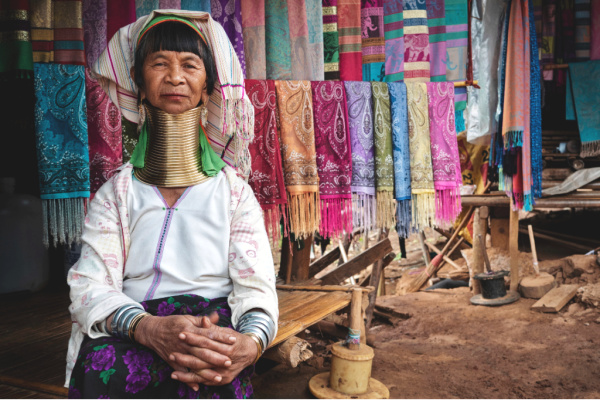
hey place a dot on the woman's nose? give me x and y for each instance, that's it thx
(175, 75)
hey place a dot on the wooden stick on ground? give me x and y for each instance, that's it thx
(355, 316)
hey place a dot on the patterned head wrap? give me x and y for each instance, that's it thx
(230, 126)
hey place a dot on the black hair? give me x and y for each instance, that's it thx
(174, 36)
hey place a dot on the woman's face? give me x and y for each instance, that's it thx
(175, 82)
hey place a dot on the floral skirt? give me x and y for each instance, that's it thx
(109, 367)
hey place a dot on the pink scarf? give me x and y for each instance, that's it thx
(447, 177)
(334, 158)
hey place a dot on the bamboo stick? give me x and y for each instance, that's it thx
(326, 288)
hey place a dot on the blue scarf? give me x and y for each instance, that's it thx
(401, 153)
(62, 148)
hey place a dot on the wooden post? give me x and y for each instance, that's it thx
(499, 227)
(295, 264)
(514, 247)
(426, 257)
(477, 260)
(355, 315)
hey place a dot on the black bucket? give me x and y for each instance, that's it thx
(492, 284)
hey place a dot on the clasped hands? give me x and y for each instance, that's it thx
(197, 349)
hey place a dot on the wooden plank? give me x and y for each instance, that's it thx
(555, 299)
(514, 248)
(320, 264)
(34, 386)
(374, 281)
(358, 263)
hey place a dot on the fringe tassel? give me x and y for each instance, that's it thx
(63, 221)
(447, 207)
(238, 123)
(386, 209)
(423, 210)
(304, 213)
(590, 149)
(336, 217)
(528, 202)
(403, 218)
(513, 139)
(459, 118)
(272, 223)
(364, 211)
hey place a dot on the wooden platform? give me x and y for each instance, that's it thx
(35, 330)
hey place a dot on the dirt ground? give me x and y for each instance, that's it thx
(449, 348)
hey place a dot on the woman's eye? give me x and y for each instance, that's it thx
(190, 66)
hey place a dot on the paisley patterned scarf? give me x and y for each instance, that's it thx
(294, 101)
(373, 40)
(94, 28)
(384, 161)
(350, 41)
(62, 146)
(299, 40)
(229, 14)
(145, 7)
(277, 40)
(360, 122)
(196, 5)
(436, 23)
(314, 22)
(331, 45)
(447, 178)
(334, 157)
(401, 153)
(421, 171)
(118, 14)
(104, 133)
(416, 42)
(266, 178)
(169, 4)
(394, 40)
(253, 28)
(16, 58)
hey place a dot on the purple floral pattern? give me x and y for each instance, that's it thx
(112, 368)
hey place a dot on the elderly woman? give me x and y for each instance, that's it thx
(174, 294)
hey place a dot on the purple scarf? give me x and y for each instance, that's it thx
(229, 14)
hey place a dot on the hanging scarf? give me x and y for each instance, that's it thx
(230, 125)
(384, 161)
(595, 27)
(130, 135)
(516, 114)
(360, 122)
(169, 4)
(16, 54)
(445, 160)
(314, 22)
(42, 32)
(334, 157)
(62, 144)
(421, 171)
(331, 45)
(349, 39)
(416, 42)
(253, 28)
(401, 153)
(394, 40)
(118, 14)
(68, 32)
(373, 40)
(277, 40)
(294, 101)
(145, 7)
(196, 5)
(536, 115)
(266, 178)
(583, 94)
(104, 133)
(436, 23)
(457, 34)
(299, 40)
(582, 30)
(94, 28)
(229, 14)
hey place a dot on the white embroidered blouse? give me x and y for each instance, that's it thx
(164, 259)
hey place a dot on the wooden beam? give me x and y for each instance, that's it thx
(575, 246)
(555, 299)
(323, 262)
(291, 352)
(374, 282)
(332, 288)
(358, 263)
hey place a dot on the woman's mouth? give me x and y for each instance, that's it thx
(173, 96)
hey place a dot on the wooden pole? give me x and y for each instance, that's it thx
(533, 251)
(424, 249)
(355, 316)
(514, 247)
(477, 259)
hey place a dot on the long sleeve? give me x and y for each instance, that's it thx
(250, 260)
(96, 280)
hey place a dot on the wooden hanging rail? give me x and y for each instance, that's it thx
(555, 66)
(464, 84)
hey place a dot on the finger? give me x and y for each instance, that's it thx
(214, 317)
(216, 333)
(206, 377)
(201, 358)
